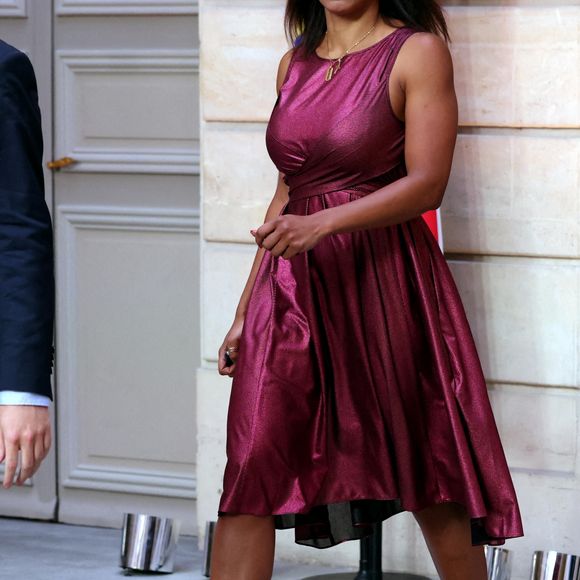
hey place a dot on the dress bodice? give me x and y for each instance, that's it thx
(326, 136)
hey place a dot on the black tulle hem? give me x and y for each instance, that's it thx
(327, 525)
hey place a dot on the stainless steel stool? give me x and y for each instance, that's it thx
(370, 566)
(383, 576)
(148, 543)
(498, 562)
(552, 565)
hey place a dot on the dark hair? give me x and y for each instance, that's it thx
(306, 24)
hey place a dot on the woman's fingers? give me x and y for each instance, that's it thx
(270, 236)
(227, 359)
(229, 371)
(271, 240)
(231, 358)
(288, 253)
(281, 247)
(286, 236)
(233, 353)
(222, 359)
(263, 231)
(228, 351)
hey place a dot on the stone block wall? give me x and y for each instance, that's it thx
(511, 221)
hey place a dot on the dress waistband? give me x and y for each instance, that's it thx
(306, 190)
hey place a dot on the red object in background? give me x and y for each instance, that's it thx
(433, 220)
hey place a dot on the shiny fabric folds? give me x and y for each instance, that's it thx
(358, 391)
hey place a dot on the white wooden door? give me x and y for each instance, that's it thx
(27, 26)
(124, 79)
(127, 221)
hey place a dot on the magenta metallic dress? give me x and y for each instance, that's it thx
(358, 392)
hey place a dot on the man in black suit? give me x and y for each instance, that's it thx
(26, 274)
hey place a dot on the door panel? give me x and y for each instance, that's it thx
(13, 8)
(130, 7)
(117, 115)
(27, 26)
(118, 299)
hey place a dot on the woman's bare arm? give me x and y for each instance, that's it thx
(231, 342)
(425, 74)
(276, 205)
(278, 201)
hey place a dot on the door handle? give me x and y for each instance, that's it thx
(61, 163)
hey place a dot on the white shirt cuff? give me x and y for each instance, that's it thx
(23, 398)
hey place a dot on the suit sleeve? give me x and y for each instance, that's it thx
(26, 240)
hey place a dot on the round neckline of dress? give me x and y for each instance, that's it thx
(326, 59)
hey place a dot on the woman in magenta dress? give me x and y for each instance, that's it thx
(357, 390)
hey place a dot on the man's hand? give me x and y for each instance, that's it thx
(24, 427)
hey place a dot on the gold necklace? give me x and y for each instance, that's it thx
(336, 62)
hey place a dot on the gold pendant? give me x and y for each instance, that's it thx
(331, 70)
(329, 73)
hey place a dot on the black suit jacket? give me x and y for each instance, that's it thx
(26, 242)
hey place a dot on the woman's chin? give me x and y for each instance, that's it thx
(347, 7)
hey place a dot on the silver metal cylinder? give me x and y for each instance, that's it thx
(498, 562)
(551, 565)
(209, 530)
(349, 576)
(148, 543)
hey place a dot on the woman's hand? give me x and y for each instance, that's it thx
(231, 341)
(289, 234)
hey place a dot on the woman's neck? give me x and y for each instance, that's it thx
(344, 31)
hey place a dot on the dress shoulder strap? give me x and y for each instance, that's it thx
(394, 47)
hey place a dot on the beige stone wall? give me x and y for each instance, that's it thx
(512, 234)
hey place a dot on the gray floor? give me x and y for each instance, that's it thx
(47, 551)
